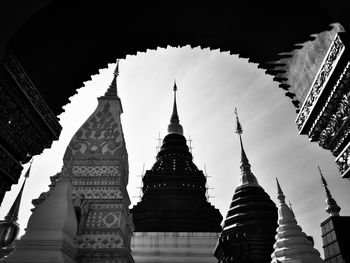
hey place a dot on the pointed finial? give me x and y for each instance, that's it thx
(12, 215)
(247, 177)
(332, 207)
(175, 126)
(280, 195)
(239, 129)
(112, 90)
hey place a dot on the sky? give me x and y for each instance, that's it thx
(210, 85)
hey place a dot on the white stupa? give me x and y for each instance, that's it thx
(292, 245)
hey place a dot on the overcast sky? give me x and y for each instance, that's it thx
(210, 84)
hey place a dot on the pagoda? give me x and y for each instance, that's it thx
(174, 221)
(292, 245)
(249, 228)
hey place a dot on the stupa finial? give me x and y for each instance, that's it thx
(112, 90)
(332, 207)
(280, 194)
(247, 177)
(175, 126)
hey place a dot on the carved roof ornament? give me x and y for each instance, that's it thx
(175, 126)
(332, 207)
(247, 177)
(331, 59)
(9, 227)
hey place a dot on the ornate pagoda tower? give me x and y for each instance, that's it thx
(92, 182)
(335, 230)
(248, 231)
(174, 222)
(99, 161)
(292, 245)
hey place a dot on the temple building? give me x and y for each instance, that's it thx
(335, 230)
(292, 245)
(84, 217)
(249, 228)
(174, 221)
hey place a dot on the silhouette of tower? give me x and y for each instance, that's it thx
(249, 228)
(174, 222)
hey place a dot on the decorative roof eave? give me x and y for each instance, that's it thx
(329, 63)
(343, 162)
(331, 106)
(32, 94)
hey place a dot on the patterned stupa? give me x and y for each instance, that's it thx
(99, 161)
(249, 228)
(96, 161)
(174, 222)
(292, 244)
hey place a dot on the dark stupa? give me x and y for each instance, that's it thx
(174, 190)
(250, 226)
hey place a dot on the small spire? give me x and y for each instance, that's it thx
(112, 90)
(247, 177)
(290, 207)
(175, 126)
(12, 215)
(280, 196)
(332, 207)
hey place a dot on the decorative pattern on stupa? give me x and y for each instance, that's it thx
(174, 190)
(98, 159)
(332, 207)
(249, 228)
(292, 245)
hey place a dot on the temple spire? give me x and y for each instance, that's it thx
(13, 212)
(175, 126)
(247, 177)
(112, 90)
(332, 207)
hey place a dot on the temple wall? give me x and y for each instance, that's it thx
(174, 247)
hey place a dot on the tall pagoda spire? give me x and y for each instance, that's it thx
(247, 177)
(112, 90)
(250, 225)
(292, 244)
(175, 126)
(332, 207)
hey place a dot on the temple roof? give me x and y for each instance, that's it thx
(264, 32)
